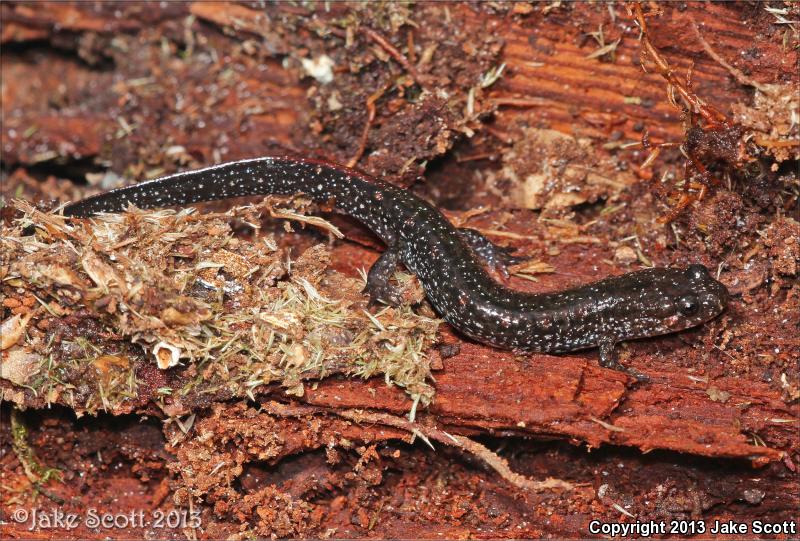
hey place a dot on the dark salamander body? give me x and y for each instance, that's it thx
(449, 262)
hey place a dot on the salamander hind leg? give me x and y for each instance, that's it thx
(493, 255)
(378, 285)
(608, 359)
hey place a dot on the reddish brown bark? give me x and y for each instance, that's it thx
(134, 90)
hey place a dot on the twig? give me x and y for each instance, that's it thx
(371, 112)
(498, 463)
(711, 114)
(475, 157)
(403, 61)
(740, 77)
(520, 102)
(412, 55)
(606, 425)
(312, 220)
(508, 234)
(394, 53)
(500, 135)
(715, 120)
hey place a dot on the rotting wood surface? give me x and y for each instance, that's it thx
(547, 67)
(480, 391)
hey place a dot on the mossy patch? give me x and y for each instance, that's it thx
(171, 307)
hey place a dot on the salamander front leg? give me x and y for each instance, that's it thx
(378, 285)
(493, 255)
(608, 359)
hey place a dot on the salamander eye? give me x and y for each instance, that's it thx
(697, 271)
(688, 305)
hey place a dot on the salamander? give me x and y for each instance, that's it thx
(450, 262)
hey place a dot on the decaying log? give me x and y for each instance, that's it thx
(543, 113)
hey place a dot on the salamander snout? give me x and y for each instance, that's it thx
(699, 299)
(713, 294)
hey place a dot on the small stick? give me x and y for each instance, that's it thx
(498, 463)
(362, 145)
(740, 77)
(520, 102)
(412, 55)
(708, 112)
(394, 53)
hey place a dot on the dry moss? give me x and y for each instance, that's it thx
(170, 307)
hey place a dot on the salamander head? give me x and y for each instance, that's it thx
(679, 299)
